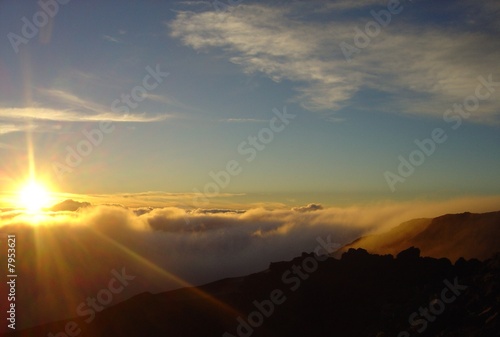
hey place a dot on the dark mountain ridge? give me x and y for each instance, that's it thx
(359, 295)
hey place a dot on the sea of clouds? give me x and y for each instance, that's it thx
(65, 257)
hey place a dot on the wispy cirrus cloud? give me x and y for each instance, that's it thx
(340, 5)
(77, 109)
(421, 69)
(111, 39)
(171, 101)
(8, 128)
(72, 100)
(13, 120)
(243, 120)
(47, 114)
(15, 126)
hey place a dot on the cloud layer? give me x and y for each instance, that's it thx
(71, 254)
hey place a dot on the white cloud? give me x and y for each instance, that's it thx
(9, 128)
(426, 67)
(48, 114)
(41, 119)
(20, 126)
(110, 39)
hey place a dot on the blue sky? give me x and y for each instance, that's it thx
(227, 71)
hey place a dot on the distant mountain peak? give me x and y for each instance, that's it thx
(469, 235)
(69, 205)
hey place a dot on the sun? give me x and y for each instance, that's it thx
(34, 196)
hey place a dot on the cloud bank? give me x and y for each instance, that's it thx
(69, 255)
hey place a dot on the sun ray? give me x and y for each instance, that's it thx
(167, 275)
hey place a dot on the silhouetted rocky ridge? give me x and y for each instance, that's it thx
(360, 294)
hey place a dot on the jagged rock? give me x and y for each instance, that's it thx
(360, 295)
(411, 254)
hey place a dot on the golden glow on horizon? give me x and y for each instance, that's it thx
(34, 196)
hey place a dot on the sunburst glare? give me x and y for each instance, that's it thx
(34, 197)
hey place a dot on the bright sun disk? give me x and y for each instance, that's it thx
(34, 197)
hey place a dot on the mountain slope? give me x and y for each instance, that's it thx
(452, 236)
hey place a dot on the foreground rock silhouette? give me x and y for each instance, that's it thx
(359, 295)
